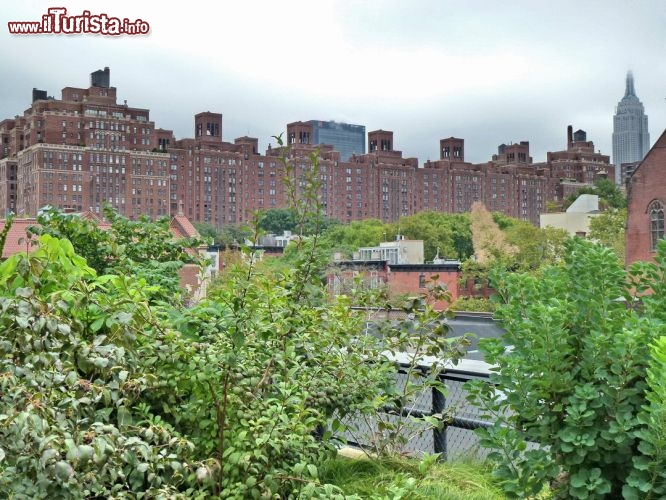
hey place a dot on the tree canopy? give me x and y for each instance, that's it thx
(608, 228)
(446, 235)
(228, 236)
(610, 196)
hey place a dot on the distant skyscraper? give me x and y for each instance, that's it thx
(631, 140)
(344, 137)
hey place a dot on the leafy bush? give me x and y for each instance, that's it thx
(141, 248)
(416, 348)
(473, 304)
(261, 369)
(71, 378)
(268, 366)
(571, 389)
(109, 387)
(648, 478)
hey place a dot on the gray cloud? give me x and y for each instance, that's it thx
(490, 72)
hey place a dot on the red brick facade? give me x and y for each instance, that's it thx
(399, 279)
(414, 279)
(509, 183)
(646, 203)
(85, 150)
(82, 151)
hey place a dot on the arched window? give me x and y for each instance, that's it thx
(656, 211)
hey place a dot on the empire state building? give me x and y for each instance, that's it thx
(631, 140)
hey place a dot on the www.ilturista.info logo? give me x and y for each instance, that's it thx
(56, 21)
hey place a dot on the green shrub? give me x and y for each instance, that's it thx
(574, 381)
(109, 387)
(268, 366)
(648, 478)
(72, 380)
(473, 304)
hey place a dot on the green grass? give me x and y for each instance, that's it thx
(405, 478)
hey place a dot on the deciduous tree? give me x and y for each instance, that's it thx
(608, 229)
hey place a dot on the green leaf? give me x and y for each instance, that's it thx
(124, 418)
(97, 324)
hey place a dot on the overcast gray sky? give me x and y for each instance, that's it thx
(490, 72)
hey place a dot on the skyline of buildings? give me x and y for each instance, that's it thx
(85, 149)
(631, 137)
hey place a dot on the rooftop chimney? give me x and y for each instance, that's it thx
(569, 136)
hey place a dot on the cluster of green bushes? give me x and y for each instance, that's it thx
(110, 387)
(473, 304)
(579, 404)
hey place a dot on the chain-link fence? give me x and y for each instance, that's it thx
(455, 440)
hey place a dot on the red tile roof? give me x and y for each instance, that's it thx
(92, 217)
(17, 238)
(182, 227)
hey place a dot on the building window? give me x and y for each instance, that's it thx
(656, 211)
(422, 280)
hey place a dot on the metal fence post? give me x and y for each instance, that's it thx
(439, 432)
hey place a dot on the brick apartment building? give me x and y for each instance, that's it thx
(82, 151)
(509, 182)
(85, 149)
(384, 185)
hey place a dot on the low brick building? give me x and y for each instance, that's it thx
(412, 279)
(397, 279)
(398, 268)
(646, 201)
